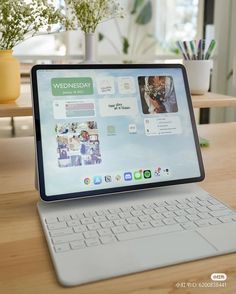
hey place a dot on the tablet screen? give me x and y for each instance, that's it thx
(108, 129)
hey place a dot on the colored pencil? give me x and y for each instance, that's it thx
(186, 49)
(210, 49)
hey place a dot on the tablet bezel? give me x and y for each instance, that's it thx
(100, 192)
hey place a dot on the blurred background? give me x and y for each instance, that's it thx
(147, 34)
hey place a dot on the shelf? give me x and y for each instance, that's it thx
(23, 106)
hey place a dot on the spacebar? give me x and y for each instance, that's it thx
(148, 232)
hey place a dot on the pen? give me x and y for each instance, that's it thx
(192, 46)
(186, 49)
(199, 49)
(181, 49)
(210, 49)
(203, 49)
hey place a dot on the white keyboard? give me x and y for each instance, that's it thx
(80, 230)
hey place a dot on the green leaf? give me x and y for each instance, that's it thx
(145, 14)
(100, 36)
(125, 43)
(137, 4)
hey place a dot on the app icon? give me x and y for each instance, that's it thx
(87, 181)
(132, 129)
(97, 180)
(118, 178)
(166, 172)
(127, 176)
(108, 179)
(111, 130)
(147, 174)
(157, 172)
(138, 175)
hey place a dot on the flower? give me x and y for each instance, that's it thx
(89, 13)
(20, 20)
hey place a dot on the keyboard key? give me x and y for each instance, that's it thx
(226, 219)
(133, 220)
(204, 215)
(61, 232)
(86, 221)
(148, 211)
(93, 227)
(160, 203)
(192, 217)
(169, 221)
(191, 211)
(101, 212)
(68, 238)
(160, 209)
(171, 202)
(145, 218)
(118, 230)
(168, 214)
(90, 213)
(217, 207)
(73, 223)
(214, 221)
(157, 216)
(144, 225)
(125, 214)
(180, 212)
(57, 225)
(150, 205)
(181, 219)
(104, 232)
(183, 206)
(79, 229)
(220, 212)
(203, 202)
(107, 224)
(136, 212)
(100, 218)
(148, 232)
(77, 245)
(126, 208)
(171, 207)
(90, 234)
(213, 201)
(202, 209)
(92, 242)
(51, 220)
(202, 223)
(156, 223)
(108, 239)
(189, 226)
(62, 247)
(131, 228)
(112, 216)
(120, 222)
(64, 218)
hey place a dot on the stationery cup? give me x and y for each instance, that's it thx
(198, 72)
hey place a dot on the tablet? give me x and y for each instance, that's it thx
(103, 129)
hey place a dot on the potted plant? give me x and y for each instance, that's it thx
(20, 20)
(135, 39)
(87, 14)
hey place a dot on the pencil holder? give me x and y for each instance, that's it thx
(198, 72)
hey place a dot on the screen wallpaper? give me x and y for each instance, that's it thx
(106, 128)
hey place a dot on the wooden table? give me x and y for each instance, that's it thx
(25, 265)
(23, 106)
